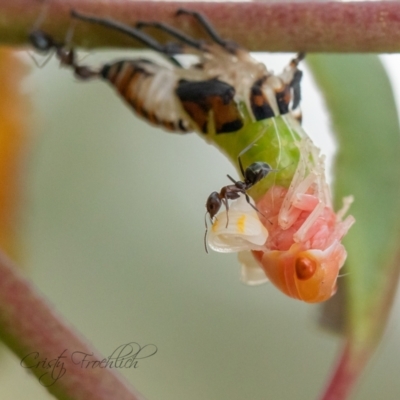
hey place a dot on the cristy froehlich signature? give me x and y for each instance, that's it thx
(125, 356)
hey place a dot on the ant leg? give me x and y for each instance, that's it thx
(241, 166)
(168, 49)
(228, 45)
(37, 63)
(197, 44)
(225, 201)
(68, 57)
(252, 205)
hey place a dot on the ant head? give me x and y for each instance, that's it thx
(41, 41)
(213, 204)
(256, 171)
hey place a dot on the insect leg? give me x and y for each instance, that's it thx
(252, 205)
(169, 49)
(228, 45)
(295, 85)
(299, 57)
(225, 201)
(241, 166)
(295, 81)
(197, 44)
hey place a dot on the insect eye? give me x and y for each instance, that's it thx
(305, 268)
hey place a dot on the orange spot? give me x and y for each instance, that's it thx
(305, 268)
(240, 223)
(215, 225)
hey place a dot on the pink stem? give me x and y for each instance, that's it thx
(346, 373)
(33, 329)
(311, 26)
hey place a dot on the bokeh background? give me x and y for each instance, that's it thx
(112, 230)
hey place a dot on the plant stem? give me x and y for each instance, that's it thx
(30, 326)
(312, 26)
(350, 366)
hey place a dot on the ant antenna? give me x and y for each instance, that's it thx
(36, 62)
(205, 233)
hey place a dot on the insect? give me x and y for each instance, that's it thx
(252, 175)
(45, 44)
(207, 97)
(291, 234)
(300, 253)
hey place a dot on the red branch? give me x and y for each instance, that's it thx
(345, 375)
(257, 25)
(29, 325)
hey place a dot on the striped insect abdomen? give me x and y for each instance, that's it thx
(149, 89)
(211, 105)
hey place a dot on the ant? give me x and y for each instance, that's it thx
(253, 174)
(44, 43)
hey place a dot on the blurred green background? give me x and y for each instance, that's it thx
(113, 235)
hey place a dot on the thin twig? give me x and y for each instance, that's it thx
(312, 26)
(34, 331)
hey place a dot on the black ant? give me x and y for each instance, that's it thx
(44, 43)
(253, 174)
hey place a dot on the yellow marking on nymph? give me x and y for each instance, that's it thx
(214, 227)
(240, 223)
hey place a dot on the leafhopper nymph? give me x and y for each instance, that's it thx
(294, 235)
